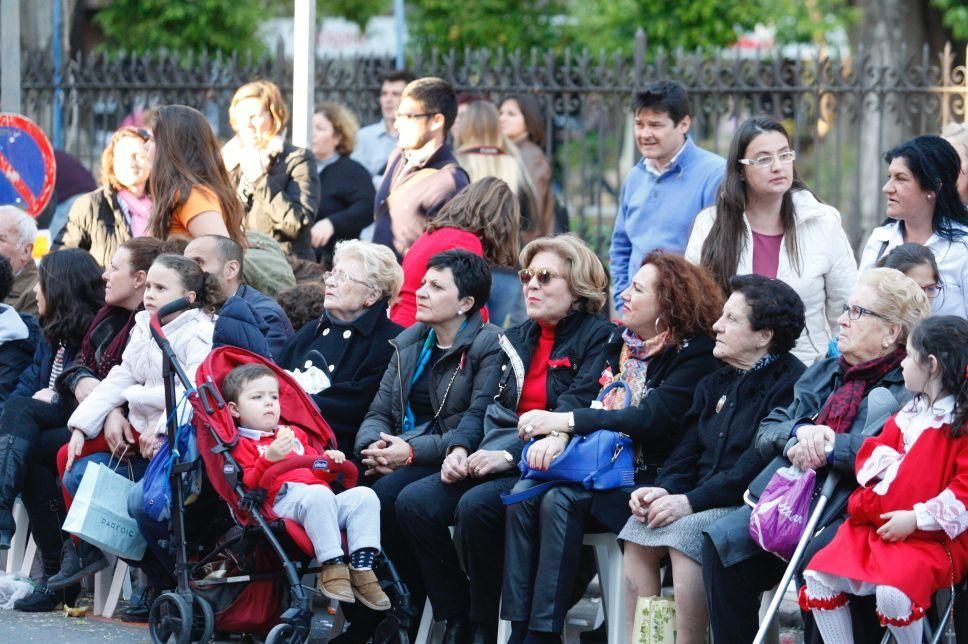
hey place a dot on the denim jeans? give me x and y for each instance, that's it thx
(72, 477)
(506, 303)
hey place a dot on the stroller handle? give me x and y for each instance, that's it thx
(346, 469)
(176, 306)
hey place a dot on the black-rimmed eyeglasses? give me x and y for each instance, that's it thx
(855, 313)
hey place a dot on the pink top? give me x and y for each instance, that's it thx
(766, 254)
(404, 311)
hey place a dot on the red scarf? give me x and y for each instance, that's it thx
(839, 411)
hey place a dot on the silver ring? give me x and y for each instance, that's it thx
(528, 429)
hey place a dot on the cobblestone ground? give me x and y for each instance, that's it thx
(54, 627)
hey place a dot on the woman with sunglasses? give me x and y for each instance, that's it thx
(822, 430)
(664, 351)
(100, 221)
(484, 219)
(924, 207)
(549, 363)
(349, 344)
(767, 222)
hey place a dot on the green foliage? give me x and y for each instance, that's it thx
(511, 24)
(183, 25)
(704, 24)
(955, 15)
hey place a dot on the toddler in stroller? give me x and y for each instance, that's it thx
(302, 494)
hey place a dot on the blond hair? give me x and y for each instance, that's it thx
(586, 276)
(379, 264)
(480, 129)
(344, 124)
(489, 209)
(271, 97)
(899, 298)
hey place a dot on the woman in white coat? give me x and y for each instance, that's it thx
(924, 207)
(767, 222)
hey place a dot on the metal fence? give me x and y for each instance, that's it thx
(843, 111)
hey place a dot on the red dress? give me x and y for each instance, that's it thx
(933, 472)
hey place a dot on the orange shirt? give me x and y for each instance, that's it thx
(200, 200)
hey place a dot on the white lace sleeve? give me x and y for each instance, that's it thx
(948, 512)
(874, 467)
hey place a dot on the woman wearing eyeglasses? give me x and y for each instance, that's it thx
(918, 263)
(767, 222)
(100, 221)
(820, 430)
(349, 344)
(550, 362)
(924, 207)
(664, 351)
(483, 218)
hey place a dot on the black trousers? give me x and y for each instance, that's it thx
(426, 509)
(543, 550)
(44, 426)
(733, 593)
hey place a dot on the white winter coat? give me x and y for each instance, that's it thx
(137, 380)
(827, 276)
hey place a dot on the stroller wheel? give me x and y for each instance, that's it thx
(203, 620)
(280, 634)
(170, 620)
(391, 631)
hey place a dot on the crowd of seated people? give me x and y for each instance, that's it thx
(752, 343)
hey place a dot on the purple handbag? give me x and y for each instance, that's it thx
(781, 514)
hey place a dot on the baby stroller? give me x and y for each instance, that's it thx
(260, 556)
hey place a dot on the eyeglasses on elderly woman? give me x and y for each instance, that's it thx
(855, 313)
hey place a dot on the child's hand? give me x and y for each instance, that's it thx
(335, 455)
(899, 526)
(282, 446)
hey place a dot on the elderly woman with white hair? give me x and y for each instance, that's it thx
(350, 342)
(18, 231)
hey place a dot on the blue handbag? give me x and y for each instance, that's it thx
(601, 460)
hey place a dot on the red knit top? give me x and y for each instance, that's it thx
(534, 391)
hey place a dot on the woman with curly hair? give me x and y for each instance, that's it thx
(483, 218)
(69, 294)
(100, 221)
(705, 476)
(665, 350)
(190, 188)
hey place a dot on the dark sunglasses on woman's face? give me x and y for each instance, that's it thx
(544, 275)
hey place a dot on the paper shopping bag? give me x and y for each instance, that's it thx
(99, 513)
(655, 621)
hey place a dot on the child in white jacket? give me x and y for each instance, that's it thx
(138, 381)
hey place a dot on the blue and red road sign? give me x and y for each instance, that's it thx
(27, 166)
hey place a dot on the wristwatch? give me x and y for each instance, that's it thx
(508, 457)
(571, 421)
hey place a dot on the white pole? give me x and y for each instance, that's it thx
(400, 26)
(10, 55)
(303, 70)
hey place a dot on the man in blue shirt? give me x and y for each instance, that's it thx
(666, 189)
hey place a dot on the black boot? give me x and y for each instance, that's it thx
(44, 600)
(14, 452)
(457, 631)
(483, 633)
(137, 611)
(76, 563)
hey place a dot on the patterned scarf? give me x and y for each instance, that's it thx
(633, 367)
(101, 363)
(138, 210)
(839, 411)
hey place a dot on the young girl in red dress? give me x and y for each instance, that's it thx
(906, 535)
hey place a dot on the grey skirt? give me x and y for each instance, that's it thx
(684, 535)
